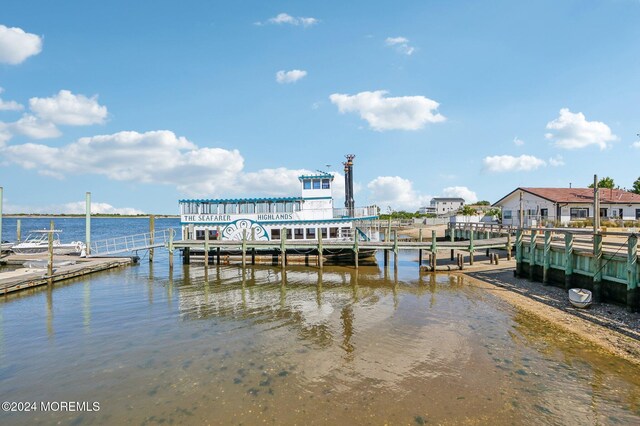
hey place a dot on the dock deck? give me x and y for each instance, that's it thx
(23, 278)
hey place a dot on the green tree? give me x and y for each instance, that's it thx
(483, 203)
(636, 186)
(467, 211)
(605, 182)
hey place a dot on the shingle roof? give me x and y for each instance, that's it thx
(581, 195)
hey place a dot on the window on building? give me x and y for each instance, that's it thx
(506, 214)
(316, 184)
(579, 213)
(333, 232)
(544, 213)
(604, 213)
(306, 184)
(637, 214)
(311, 233)
(275, 234)
(298, 233)
(325, 183)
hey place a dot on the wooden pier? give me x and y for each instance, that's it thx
(604, 262)
(23, 278)
(456, 240)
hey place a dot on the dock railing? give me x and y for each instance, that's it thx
(132, 243)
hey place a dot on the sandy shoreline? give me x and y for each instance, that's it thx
(610, 327)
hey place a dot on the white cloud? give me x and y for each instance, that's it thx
(9, 105)
(67, 108)
(387, 113)
(76, 207)
(284, 18)
(636, 145)
(517, 141)
(397, 193)
(508, 163)
(290, 76)
(400, 44)
(469, 196)
(573, 131)
(34, 128)
(160, 157)
(556, 161)
(17, 45)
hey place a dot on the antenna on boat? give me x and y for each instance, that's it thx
(349, 202)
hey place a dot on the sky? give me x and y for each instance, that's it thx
(145, 103)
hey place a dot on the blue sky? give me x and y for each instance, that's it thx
(144, 103)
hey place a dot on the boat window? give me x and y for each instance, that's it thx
(325, 183)
(306, 184)
(262, 207)
(279, 207)
(230, 208)
(333, 232)
(316, 184)
(323, 232)
(288, 207)
(288, 233)
(298, 233)
(296, 207)
(275, 234)
(311, 233)
(345, 232)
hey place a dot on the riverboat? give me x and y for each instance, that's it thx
(307, 217)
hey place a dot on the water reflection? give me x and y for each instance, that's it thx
(302, 345)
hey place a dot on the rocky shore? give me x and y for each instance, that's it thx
(610, 326)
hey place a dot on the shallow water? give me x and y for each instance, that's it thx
(231, 346)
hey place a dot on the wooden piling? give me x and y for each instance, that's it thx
(152, 229)
(532, 253)
(633, 296)
(509, 246)
(386, 257)
(420, 235)
(244, 248)
(186, 255)
(434, 250)
(355, 249)
(18, 230)
(419, 257)
(283, 247)
(546, 257)
(519, 254)
(87, 223)
(471, 247)
(253, 249)
(50, 262)
(171, 250)
(395, 249)
(320, 259)
(597, 260)
(206, 248)
(568, 260)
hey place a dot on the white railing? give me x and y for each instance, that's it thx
(132, 243)
(357, 212)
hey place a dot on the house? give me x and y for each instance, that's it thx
(444, 205)
(427, 210)
(563, 205)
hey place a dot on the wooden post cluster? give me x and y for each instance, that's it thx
(597, 258)
(633, 296)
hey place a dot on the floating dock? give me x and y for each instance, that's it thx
(22, 278)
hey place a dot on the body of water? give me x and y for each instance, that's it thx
(296, 346)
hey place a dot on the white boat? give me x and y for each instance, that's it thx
(307, 217)
(580, 297)
(37, 242)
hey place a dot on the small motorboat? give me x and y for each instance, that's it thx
(37, 242)
(580, 297)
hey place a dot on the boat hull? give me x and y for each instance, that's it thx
(580, 298)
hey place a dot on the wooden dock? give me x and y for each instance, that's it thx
(247, 247)
(23, 278)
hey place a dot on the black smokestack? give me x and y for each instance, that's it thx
(349, 202)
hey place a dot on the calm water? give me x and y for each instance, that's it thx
(227, 346)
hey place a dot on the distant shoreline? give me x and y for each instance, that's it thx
(109, 216)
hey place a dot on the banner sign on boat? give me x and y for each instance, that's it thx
(260, 217)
